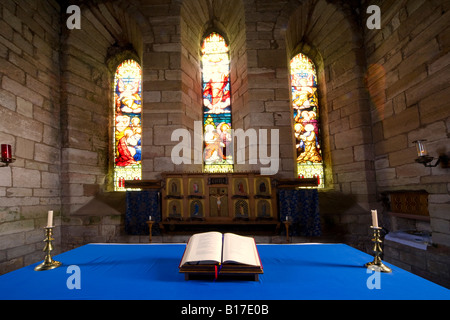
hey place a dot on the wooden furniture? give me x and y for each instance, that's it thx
(217, 255)
(232, 202)
(411, 205)
(218, 199)
(209, 271)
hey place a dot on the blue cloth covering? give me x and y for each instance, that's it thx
(150, 271)
(302, 208)
(141, 205)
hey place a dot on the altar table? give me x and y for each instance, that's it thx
(150, 271)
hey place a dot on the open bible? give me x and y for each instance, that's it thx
(217, 254)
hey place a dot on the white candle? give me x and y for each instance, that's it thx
(50, 219)
(150, 218)
(374, 219)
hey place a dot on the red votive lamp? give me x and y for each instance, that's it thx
(6, 152)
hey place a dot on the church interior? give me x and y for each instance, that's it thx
(286, 120)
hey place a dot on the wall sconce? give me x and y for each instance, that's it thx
(6, 155)
(425, 159)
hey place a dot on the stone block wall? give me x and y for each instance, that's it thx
(432, 264)
(408, 66)
(91, 211)
(29, 122)
(162, 88)
(228, 19)
(408, 80)
(379, 90)
(331, 36)
(268, 85)
(165, 38)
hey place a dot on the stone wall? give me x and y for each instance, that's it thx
(408, 68)
(109, 33)
(165, 38)
(331, 36)
(228, 19)
(408, 80)
(262, 37)
(379, 90)
(162, 88)
(432, 264)
(29, 122)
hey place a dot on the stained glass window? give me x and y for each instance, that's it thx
(217, 147)
(306, 118)
(127, 123)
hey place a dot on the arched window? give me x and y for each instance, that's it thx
(127, 123)
(217, 147)
(306, 118)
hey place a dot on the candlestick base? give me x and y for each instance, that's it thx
(48, 263)
(377, 264)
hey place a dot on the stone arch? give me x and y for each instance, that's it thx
(110, 31)
(197, 19)
(201, 17)
(326, 33)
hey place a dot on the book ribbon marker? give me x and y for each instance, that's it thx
(216, 271)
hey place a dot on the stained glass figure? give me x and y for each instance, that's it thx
(218, 149)
(127, 123)
(306, 118)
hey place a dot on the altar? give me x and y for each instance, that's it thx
(150, 272)
(232, 202)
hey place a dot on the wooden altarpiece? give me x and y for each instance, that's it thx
(219, 199)
(226, 202)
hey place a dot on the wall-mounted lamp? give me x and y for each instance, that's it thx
(6, 154)
(425, 159)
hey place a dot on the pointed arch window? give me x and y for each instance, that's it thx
(217, 146)
(127, 123)
(305, 104)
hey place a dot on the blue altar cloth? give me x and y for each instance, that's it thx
(150, 271)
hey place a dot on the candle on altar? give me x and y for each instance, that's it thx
(150, 218)
(374, 219)
(50, 219)
(6, 151)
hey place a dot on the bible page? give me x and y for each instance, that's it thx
(203, 248)
(240, 249)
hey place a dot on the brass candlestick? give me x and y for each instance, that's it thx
(377, 264)
(150, 225)
(287, 223)
(48, 263)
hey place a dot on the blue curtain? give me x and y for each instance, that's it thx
(302, 207)
(141, 205)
